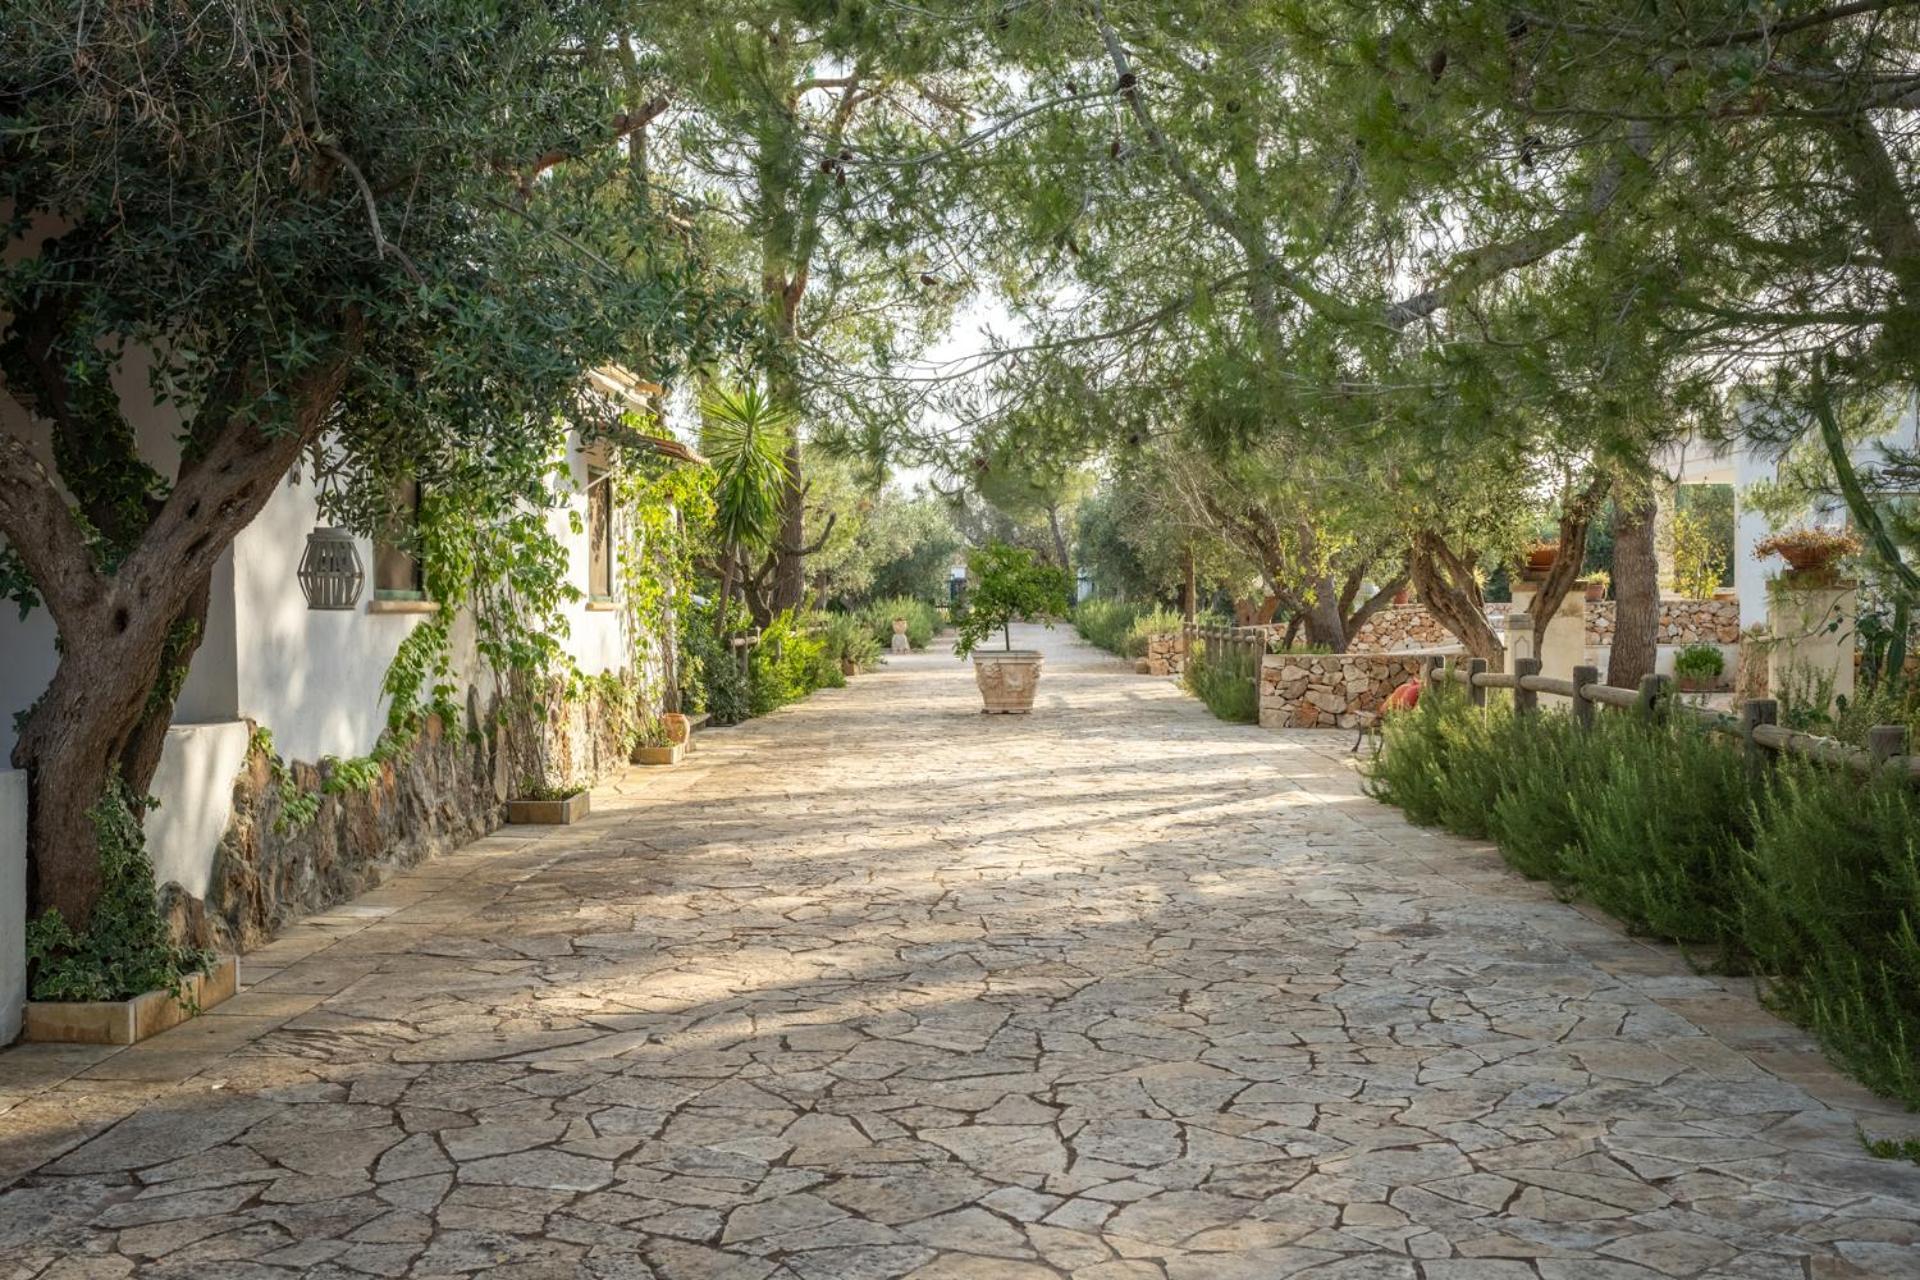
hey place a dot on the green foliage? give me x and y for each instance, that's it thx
(1700, 537)
(534, 789)
(789, 663)
(1123, 626)
(850, 640)
(356, 774)
(922, 621)
(1816, 884)
(1660, 828)
(1830, 908)
(125, 950)
(710, 677)
(744, 435)
(1229, 684)
(1699, 662)
(1012, 584)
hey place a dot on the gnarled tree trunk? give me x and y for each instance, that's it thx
(1575, 519)
(1636, 590)
(1444, 578)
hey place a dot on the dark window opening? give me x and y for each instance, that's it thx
(396, 571)
(599, 535)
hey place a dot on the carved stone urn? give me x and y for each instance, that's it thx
(1007, 678)
(900, 642)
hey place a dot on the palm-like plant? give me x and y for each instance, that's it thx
(744, 434)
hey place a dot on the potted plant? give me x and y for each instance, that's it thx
(1811, 554)
(1698, 667)
(654, 743)
(1596, 584)
(541, 804)
(1012, 584)
(1541, 555)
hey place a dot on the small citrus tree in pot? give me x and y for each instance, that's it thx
(1011, 584)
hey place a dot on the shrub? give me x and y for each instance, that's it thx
(1662, 818)
(1699, 662)
(1816, 883)
(922, 622)
(710, 677)
(1830, 907)
(789, 663)
(125, 950)
(850, 640)
(1228, 683)
(1123, 626)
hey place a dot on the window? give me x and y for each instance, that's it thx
(599, 534)
(396, 572)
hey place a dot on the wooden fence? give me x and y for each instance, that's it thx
(1247, 644)
(1756, 726)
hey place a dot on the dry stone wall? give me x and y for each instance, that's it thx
(1681, 622)
(1330, 690)
(282, 857)
(1410, 626)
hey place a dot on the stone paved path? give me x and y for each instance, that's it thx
(879, 987)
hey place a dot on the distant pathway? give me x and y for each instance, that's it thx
(880, 987)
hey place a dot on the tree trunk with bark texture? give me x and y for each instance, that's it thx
(790, 565)
(1321, 615)
(109, 703)
(1636, 591)
(1445, 581)
(1575, 519)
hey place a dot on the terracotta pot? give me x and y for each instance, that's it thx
(1541, 558)
(899, 626)
(1596, 590)
(677, 726)
(1402, 596)
(1808, 559)
(1008, 679)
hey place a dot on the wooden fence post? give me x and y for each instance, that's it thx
(1653, 698)
(1476, 694)
(1754, 713)
(1887, 742)
(1525, 701)
(1583, 705)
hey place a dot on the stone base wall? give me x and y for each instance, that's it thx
(1682, 622)
(1400, 626)
(1410, 626)
(1166, 654)
(1330, 691)
(449, 786)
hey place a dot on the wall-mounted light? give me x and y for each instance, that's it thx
(330, 571)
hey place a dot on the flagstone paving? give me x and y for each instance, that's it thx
(880, 987)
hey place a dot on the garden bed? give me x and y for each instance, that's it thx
(134, 1020)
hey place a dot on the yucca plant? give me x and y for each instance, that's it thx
(744, 435)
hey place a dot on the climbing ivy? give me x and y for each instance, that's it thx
(125, 950)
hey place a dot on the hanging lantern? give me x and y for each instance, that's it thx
(330, 572)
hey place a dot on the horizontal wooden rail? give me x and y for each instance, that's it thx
(1886, 749)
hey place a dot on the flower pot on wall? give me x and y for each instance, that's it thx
(1595, 590)
(1541, 555)
(1008, 679)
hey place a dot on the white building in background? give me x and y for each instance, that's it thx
(1743, 464)
(312, 677)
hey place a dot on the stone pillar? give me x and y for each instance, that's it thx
(1564, 646)
(1812, 631)
(1519, 636)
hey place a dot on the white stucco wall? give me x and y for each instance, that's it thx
(13, 902)
(194, 785)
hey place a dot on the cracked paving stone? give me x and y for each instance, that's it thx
(879, 988)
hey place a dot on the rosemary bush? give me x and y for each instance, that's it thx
(1229, 683)
(1813, 882)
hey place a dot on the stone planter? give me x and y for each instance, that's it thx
(670, 754)
(1008, 679)
(548, 813)
(130, 1021)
